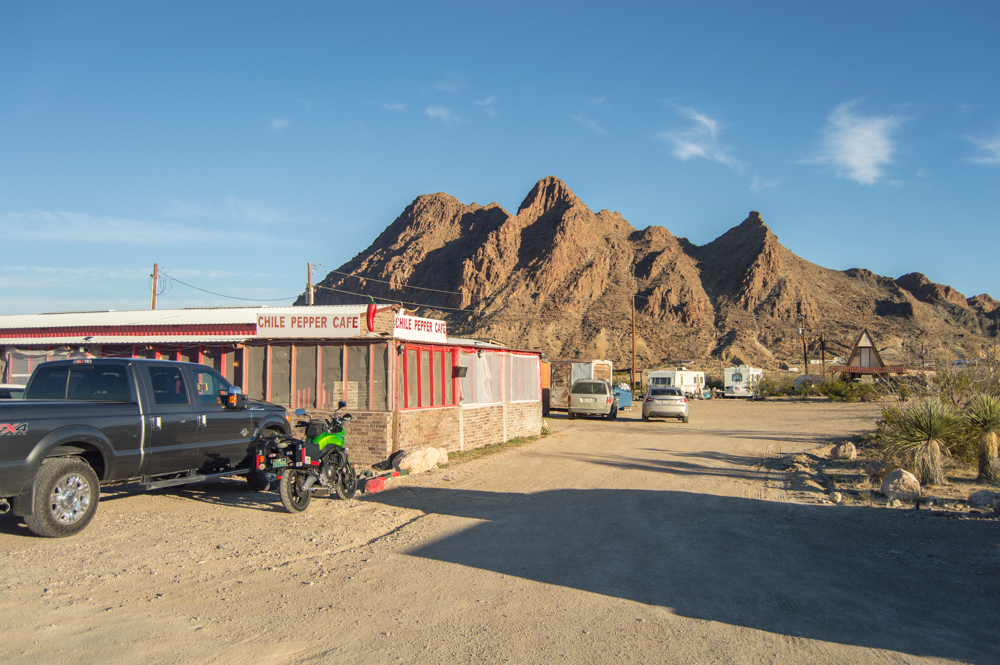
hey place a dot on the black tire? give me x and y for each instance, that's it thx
(614, 413)
(258, 481)
(293, 498)
(645, 418)
(347, 484)
(572, 416)
(66, 496)
(684, 419)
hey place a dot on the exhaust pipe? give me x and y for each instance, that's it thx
(4, 507)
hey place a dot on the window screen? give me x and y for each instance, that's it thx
(412, 370)
(281, 374)
(358, 372)
(467, 383)
(425, 378)
(332, 377)
(256, 371)
(449, 378)
(212, 357)
(438, 367)
(168, 386)
(380, 377)
(305, 377)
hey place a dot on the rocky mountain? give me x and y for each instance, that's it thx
(559, 277)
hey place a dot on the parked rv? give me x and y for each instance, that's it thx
(691, 383)
(740, 380)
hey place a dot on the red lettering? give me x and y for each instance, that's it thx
(324, 321)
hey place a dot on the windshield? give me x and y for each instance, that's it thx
(589, 388)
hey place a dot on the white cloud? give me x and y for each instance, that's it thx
(487, 105)
(390, 106)
(762, 183)
(278, 124)
(596, 101)
(700, 140)
(441, 113)
(989, 149)
(590, 124)
(857, 147)
(75, 228)
(446, 86)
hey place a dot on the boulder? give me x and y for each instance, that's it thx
(419, 460)
(983, 499)
(836, 497)
(901, 485)
(844, 451)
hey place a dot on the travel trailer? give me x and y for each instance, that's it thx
(740, 380)
(690, 382)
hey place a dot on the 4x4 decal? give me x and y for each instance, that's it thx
(13, 429)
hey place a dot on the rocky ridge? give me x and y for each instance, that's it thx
(559, 277)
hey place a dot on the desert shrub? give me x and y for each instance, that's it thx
(920, 434)
(839, 391)
(982, 417)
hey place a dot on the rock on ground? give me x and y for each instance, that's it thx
(419, 460)
(983, 499)
(844, 451)
(901, 485)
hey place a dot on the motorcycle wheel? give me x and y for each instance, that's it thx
(347, 483)
(293, 497)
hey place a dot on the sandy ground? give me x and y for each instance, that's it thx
(607, 541)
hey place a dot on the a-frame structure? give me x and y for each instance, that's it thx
(866, 360)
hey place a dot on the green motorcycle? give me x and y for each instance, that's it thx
(319, 464)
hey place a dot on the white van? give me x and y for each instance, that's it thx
(691, 383)
(740, 380)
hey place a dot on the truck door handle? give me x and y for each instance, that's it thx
(156, 423)
(203, 419)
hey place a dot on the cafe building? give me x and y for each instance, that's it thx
(406, 383)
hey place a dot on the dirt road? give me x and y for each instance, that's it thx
(605, 542)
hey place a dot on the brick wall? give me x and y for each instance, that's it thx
(430, 427)
(523, 419)
(482, 425)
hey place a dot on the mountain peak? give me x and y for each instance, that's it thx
(548, 193)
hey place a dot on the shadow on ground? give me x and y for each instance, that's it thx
(850, 575)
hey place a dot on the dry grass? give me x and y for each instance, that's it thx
(464, 456)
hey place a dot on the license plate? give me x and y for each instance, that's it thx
(588, 400)
(280, 462)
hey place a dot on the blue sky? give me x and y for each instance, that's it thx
(234, 142)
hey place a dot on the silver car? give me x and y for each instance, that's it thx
(665, 403)
(592, 397)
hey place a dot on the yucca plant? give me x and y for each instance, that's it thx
(922, 429)
(983, 417)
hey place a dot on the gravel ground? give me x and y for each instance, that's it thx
(606, 541)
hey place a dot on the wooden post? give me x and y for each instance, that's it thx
(632, 386)
(156, 275)
(309, 283)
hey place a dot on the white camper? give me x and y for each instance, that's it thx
(564, 373)
(690, 382)
(740, 380)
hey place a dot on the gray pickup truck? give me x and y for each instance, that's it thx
(87, 423)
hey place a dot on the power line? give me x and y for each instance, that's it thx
(223, 295)
(382, 281)
(402, 302)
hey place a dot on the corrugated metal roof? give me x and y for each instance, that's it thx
(120, 339)
(152, 317)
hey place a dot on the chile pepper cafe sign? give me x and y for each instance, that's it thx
(419, 329)
(335, 322)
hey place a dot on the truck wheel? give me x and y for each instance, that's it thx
(258, 480)
(347, 484)
(293, 497)
(66, 496)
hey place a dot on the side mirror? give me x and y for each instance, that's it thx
(233, 399)
(300, 412)
(341, 404)
(346, 418)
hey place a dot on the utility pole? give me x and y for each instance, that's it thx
(633, 342)
(822, 355)
(309, 283)
(805, 355)
(156, 275)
